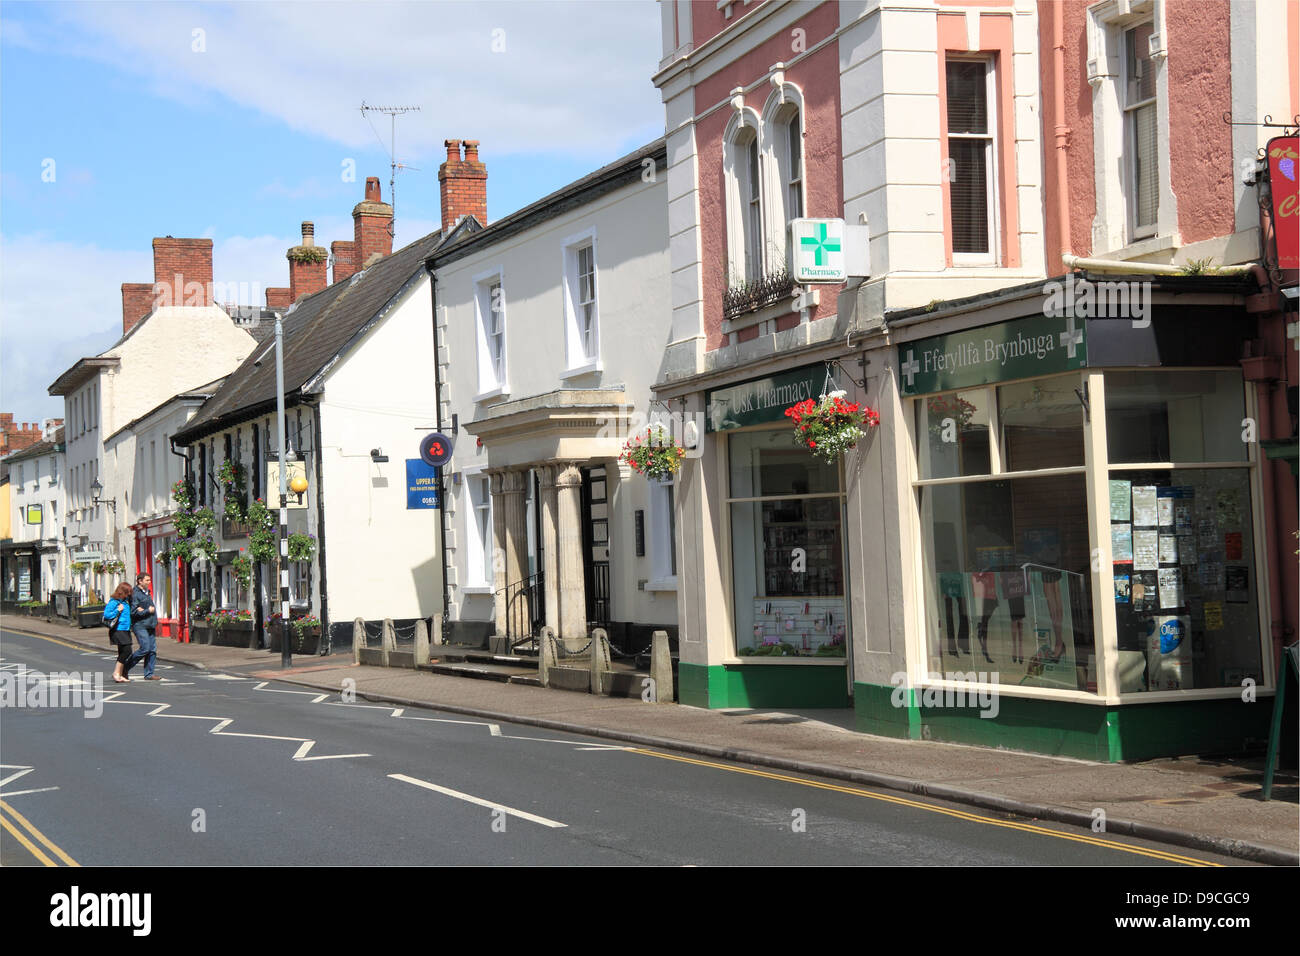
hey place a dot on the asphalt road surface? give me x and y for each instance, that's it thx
(206, 769)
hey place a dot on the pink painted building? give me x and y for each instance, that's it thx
(1075, 348)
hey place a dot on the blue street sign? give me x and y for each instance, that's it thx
(421, 485)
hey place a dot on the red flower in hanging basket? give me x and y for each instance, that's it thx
(831, 425)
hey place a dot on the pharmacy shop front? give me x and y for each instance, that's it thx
(764, 620)
(1081, 496)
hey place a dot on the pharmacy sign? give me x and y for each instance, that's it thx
(817, 250)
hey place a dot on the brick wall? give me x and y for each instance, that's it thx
(372, 220)
(137, 302)
(182, 272)
(279, 298)
(345, 259)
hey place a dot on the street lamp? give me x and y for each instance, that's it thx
(286, 458)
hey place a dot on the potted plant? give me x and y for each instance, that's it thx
(304, 633)
(231, 628)
(830, 426)
(656, 454)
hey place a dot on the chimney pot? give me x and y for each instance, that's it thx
(471, 151)
(308, 234)
(463, 185)
(372, 189)
(453, 150)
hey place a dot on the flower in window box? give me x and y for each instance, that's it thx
(830, 426)
(654, 454)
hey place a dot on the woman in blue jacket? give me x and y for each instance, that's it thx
(118, 613)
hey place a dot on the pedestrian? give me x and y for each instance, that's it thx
(118, 613)
(144, 619)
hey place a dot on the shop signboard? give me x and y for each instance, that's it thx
(421, 485)
(87, 555)
(1283, 156)
(1021, 348)
(817, 250)
(35, 514)
(764, 400)
(296, 469)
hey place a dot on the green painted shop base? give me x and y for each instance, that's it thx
(762, 685)
(1064, 728)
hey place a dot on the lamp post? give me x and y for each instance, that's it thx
(286, 655)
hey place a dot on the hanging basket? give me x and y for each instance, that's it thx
(654, 454)
(830, 426)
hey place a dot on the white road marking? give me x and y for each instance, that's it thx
(19, 793)
(306, 748)
(521, 814)
(22, 771)
(224, 677)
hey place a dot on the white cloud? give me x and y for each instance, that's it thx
(570, 77)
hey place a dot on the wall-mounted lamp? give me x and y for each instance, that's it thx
(377, 455)
(97, 489)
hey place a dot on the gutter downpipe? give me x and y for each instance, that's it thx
(1062, 131)
(183, 622)
(437, 418)
(1147, 268)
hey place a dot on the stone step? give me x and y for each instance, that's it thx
(462, 655)
(502, 673)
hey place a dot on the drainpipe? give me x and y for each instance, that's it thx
(1147, 268)
(1062, 131)
(183, 623)
(437, 417)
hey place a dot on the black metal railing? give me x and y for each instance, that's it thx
(756, 293)
(598, 594)
(525, 602)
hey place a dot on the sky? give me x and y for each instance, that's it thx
(120, 122)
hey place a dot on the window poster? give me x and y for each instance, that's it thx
(1229, 506)
(1119, 499)
(1143, 590)
(1165, 507)
(1144, 506)
(1183, 518)
(1168, 549)
(1122, 589)
(1121, 543)
(1207, 534)
(1209, 573)
(1186, 549)
(1146, 548)
(1238, 584)
(1232, 545)
(1171, 587)
(1213, 616)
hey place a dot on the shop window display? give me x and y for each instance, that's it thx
(787, 549)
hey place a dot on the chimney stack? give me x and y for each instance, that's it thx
(278, 298)
(463, 185)
(308, 263)
(137, 302)
(344, 252)
(182, 272)
(372, 221)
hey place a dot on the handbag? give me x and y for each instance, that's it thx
(112, 628)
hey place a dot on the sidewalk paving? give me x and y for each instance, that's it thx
(1210, 804)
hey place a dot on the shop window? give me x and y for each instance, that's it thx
(1006, 561)
(952, 432)
(788, 569)
(1175, 416)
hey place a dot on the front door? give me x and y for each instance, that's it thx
(595, 545)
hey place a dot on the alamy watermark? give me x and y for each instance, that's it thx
(979, 695)
(1081, 298)
(37, 691)
(682, 428)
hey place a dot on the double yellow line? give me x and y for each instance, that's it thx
(932, 808)
(15, 823)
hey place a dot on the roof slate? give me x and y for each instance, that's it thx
(315, 331)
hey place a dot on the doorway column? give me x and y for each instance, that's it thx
(550, 545)
(572, 583)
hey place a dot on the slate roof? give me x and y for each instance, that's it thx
(319, 329)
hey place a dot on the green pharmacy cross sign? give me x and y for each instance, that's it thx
(817, 250)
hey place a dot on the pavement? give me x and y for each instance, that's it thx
(1211, 804)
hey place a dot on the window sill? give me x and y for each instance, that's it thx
(596, 366)
(1139, 247)
(476, 589)
(501, 391)
(800, 661)
(663, 584)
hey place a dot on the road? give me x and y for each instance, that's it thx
(208, 769)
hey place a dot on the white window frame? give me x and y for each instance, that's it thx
(663, 576)
(579, 360)
(1130, 110)
(299, 578)
(784, 106)
(493, 382)
(479, 538)
(1113, 234)
(746, 253)
(991, 161)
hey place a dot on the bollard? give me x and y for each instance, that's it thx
(661, 667)
(389, 640)
(547, 658)
(437, 630)
(422, 653)
(358, 639)
(599, 659)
